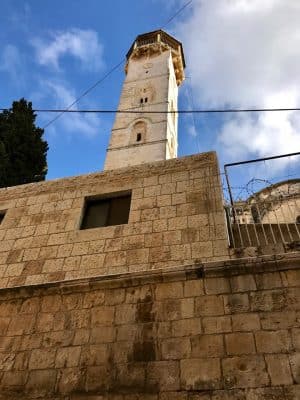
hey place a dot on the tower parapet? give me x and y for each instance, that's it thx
(151, 43)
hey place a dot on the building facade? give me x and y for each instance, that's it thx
(121, 285)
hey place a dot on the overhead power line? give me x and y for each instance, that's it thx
(203, 111)
(177, 13)
(84, 94)
(98, 82)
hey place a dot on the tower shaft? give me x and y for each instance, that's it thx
(154, 70)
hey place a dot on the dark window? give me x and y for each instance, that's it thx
(141, 101)
(2, 214)
(138, 137)
(106, 212)
(298, 219)
(146, 99)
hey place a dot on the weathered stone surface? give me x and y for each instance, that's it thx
(244, 371)
(200, 374)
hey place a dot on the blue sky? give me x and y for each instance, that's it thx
(238, 54)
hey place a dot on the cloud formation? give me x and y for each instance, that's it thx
(83, 45)
(244, 53)
(11, 62)
(61, 95)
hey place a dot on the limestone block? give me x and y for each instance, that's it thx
(105, 334)
(242, 283)
(133, 242)
(163, 375)
(115, 259)
(114, 296)
(273, 341)
(53, 265)
(102, 315)
(296, 338)
(164, 200)
(98, 378)
(181, 252)
(204, 346)
(175, 348)
(41, 382)
(137, 256)
(236, 303)
(93, 261)
(220, 324)
(279, 369)
(177, 223)
(240, 343)
(245, 322)
(200, 374)
(269, 280)
(202, 249)
(96, 354)
(217, 285)
(186, 327)
(209, 305)
(44, 322)
(70, 380)
(295, 366)
(42, 359)
(169, 290)
(244, 372)
(193, 288)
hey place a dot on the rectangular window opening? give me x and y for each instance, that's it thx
(106, 211)
(2, 215)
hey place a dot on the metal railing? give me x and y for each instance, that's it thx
(263, 223)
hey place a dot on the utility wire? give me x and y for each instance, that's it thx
(83, 94)
(61, 112)
(176, 14)
(203, 111)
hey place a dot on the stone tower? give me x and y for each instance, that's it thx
(154, 70)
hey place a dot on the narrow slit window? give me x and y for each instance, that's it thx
(138, 137)
(2, 215)
(146, 99)
(106, 212)
(141, 101)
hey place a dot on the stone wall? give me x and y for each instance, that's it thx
(176, 218)
(208, 332)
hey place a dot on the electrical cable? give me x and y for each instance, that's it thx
(107, 74)
(203, 111)
(83, 94)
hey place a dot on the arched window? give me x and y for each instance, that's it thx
(139, 130)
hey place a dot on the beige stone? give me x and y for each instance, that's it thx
(245, 322)
(244, 372)
(209, 305)
(273, 341)
(279, 369)
(240, 343)
(220, 324)
(200, 374)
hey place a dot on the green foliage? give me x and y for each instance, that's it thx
(22, 149)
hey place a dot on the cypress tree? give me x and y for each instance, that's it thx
(22, 148)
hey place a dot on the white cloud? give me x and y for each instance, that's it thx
(60, 96)
(81, 44)
(243, 53)
(11, 62)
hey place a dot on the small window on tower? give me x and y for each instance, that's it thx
(141, 100)
(146, 99)
(106, 211)
(138, 137)
(2, 214)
